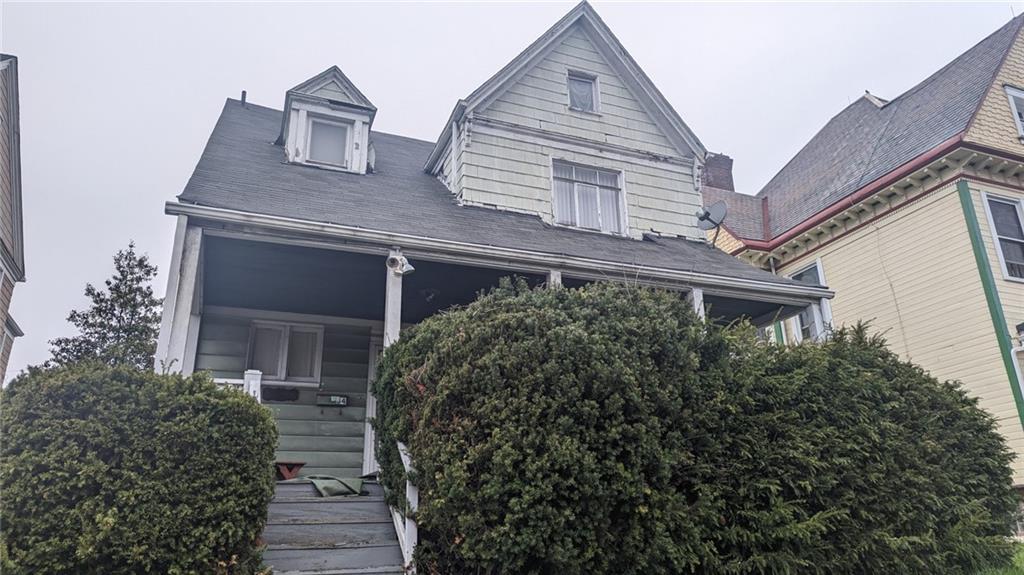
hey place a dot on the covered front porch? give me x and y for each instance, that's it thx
(303, 320)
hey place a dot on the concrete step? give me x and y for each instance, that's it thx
(364, 560)
(319, 443)
(332, 471)
(328, 428)
(289, 412)
(329, 535)
(305, 489)
(323, 458)
(327, 510)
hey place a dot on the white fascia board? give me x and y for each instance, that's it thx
(542, 261)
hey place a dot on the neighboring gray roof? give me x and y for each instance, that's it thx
(746, 213)
(867, 140)
(241, 169)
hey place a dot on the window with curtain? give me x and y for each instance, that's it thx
(582, 92)
(286, 352)
(1006, 219)
(328, 143)
(587, 197)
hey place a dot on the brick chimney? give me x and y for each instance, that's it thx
(718, 172)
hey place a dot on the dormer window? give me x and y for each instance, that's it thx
(1016, 97)
(582, 91)
(329, 142)
(326, 123)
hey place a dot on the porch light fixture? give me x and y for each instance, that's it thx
(399, 265)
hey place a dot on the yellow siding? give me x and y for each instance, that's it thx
(726, 241)
(913, 275)
(1011, 292)
(993, 125)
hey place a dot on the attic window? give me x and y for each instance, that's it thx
(1016, 97)
(582, 92)
(329, 142)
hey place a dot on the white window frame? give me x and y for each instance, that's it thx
(1012, 93)
(1019, 204)
(349, 128)
(594, 85)
(286, 329)
(821, 313)
(620, 182)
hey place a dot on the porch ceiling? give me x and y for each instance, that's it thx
(299, 279)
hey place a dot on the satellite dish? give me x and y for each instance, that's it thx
(712, 216)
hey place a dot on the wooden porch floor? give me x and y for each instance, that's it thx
(307, 534)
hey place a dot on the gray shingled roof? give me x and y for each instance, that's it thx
(866, 141)
(241, 169)
(746, 213)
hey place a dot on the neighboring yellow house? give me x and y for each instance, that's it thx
(912, 210)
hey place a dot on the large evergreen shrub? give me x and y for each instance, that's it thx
(606, 430)
(116, 470)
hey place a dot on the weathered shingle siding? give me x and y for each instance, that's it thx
(993, 125)
(509, 170)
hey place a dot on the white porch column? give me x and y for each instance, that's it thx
(697, 299)
(554, 278)
(397, 266)
(178, 311)
(171, 294)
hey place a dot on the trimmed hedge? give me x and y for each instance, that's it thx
(607, 430)
(115, 470)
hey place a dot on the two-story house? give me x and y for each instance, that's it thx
(12, 248)
(912, 209)
(306, 240)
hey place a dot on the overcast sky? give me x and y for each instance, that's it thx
(117, 100)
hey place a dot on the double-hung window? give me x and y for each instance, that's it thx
(286, 352)
(587, 197)
(811, 323)
(329, 142)
(1009, 234)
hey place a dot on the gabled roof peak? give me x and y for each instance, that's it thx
(333, 86)
(585, 16)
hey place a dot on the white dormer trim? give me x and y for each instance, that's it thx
(297, 141)
(308, 103)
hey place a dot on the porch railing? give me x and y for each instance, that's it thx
(405, 525)
(251, 383)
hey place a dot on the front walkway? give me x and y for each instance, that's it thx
(308, 534)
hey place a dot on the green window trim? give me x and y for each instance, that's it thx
(988, 284)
